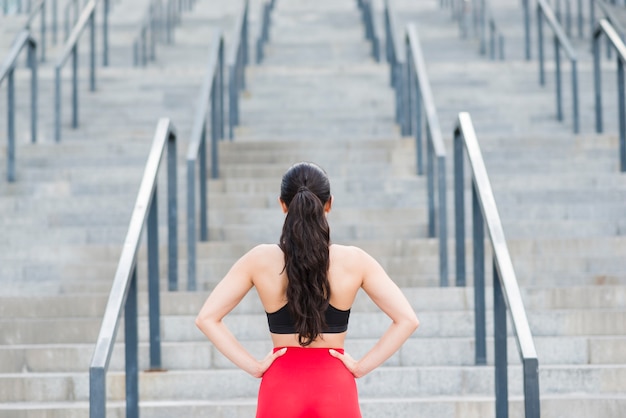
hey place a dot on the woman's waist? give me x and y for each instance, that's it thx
(308, 350)
(324, 341)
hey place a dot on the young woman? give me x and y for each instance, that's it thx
(307, 286)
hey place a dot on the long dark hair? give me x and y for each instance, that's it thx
(305, 241)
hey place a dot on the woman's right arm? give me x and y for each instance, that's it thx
(390, 299)
(226, 295)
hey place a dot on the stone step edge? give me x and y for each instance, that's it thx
(252, 401)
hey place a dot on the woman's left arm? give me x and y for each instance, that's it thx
(226, 295)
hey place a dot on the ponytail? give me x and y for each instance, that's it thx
(305, 242)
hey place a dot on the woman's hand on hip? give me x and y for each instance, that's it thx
(347, 360)
(267, 362)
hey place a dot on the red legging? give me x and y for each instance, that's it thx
(308, 383)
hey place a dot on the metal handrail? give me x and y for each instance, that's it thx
(417, 94)
(560, 40)
(605, 28)
(7, 70)
(558, 13)
(123, 295)
(264, 34)
(71, 48)
(608, 15)
(238, 58)
(211, 99)
(68, 22)
(371, 34)
(506, 292)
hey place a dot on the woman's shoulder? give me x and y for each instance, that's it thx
(262, 251)
(348, 253)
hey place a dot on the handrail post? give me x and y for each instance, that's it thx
(480, 327)
(131, 348)
(191, 224)
(246, 40)
(97, 392)
(531, 387)
(580, 19)
(443, 224)
(221, 89)
(34, 91)
(204, 222)
(11, 126)
(214, 133)
(153, 283)
(55, 21)
(430, 182)
(621, 85)
(418, 126)
(459, 209)
(43, 32)
(75, 86)
(500, 350)
(57, 104)
(92, 52)
(527, 28)
(557, 59)
(597, 80)
(172, 214)
(542, 78)
(406, 98)
(105, 33)
(575, 105)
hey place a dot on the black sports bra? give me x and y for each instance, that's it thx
(281, 322)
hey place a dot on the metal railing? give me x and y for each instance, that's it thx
(123, 296)
(71, 49)
(489, 32)
(609, 12)
(506, 291)
(560, 41)
(409, 79)
(38, 10)
(210, 108)
(238, 58)
(369, 21)
(150, 31)
(173, 16)
(70, 16)
(484, 24)
(418, 104)
(605, 28)
(23, 40)
(264, 34)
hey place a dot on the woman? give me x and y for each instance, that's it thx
(307, 286)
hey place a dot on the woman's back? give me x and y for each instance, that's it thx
(345, 276)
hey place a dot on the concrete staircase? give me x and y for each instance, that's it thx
(318, 96)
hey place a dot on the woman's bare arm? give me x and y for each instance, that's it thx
(390, 299)
(226, 295)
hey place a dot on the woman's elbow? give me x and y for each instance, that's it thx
(203, 322)
(413, 323)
